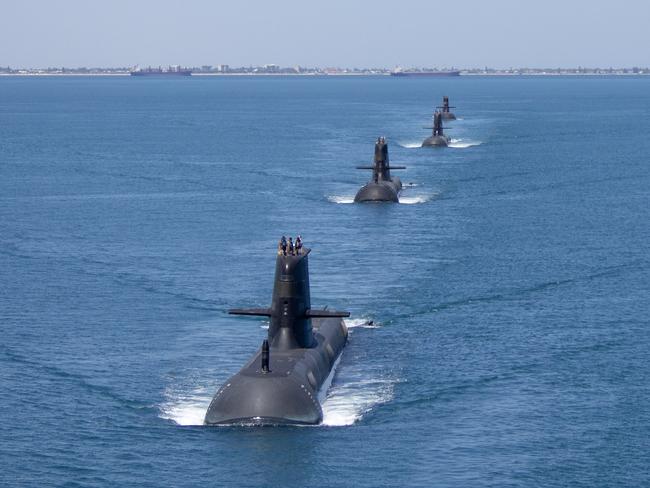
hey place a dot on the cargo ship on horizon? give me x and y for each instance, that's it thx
(159, 71)
(425, 72)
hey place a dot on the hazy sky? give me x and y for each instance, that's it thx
(382, 33)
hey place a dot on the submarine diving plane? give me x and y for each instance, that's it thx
(383, 187)
(280, 384)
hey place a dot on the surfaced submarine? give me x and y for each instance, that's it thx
(280, 384)
(446, 113)
(383, 187)
(437, 138)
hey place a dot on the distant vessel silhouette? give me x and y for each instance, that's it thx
(423, 73)
(159, 71)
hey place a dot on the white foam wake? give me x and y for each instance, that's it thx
(410, 145)
(404, 200)
(353, 395)
(361, 322)
(455, 143)
(463, 144)
(187, 409)
(341, 199)
(414, 200)
(346, 403)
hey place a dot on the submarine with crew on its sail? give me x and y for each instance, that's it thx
(383, 187)
(280, 384)
(438, 137)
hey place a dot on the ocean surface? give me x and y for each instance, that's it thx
(509, 290)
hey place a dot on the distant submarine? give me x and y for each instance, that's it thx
(281, 382)
(383, 187)
(446, 113)
(437, 138)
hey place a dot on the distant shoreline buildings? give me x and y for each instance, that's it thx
(274, 69)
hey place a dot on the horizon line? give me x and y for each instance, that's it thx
(323, 67)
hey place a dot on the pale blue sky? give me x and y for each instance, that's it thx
(462, 33)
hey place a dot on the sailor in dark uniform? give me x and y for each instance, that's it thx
(283, 245)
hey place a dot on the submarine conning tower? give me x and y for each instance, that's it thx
(438, 129)
(381, 162)
(290, 326)
(290, 312)
(445, 104)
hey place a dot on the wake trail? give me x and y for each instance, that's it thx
(453, 143)
(409, 200)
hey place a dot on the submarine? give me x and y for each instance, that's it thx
(280, 384)
(383, 187)
(438, 137)
(446, 113)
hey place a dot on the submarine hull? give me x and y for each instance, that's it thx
(383, 191)
(448, 116)
(435, 141)
(289, 392)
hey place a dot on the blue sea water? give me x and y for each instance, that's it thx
(509, 290)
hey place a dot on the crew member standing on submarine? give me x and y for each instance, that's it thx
(298, 245)
(283, 245)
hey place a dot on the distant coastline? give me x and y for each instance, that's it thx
(318, 75)
(276, 70)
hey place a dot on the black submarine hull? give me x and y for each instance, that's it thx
(436, 141)
(288, 394)
(448, 116)
(382, 187)
(382, 191)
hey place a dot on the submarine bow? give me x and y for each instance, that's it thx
(280, 384)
